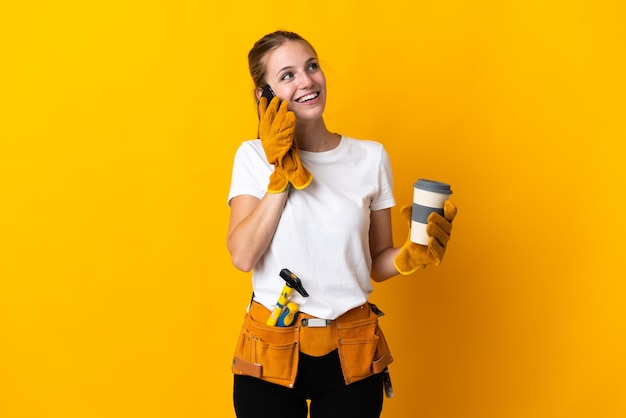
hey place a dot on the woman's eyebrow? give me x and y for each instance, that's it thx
(289, 67)
(284, 68)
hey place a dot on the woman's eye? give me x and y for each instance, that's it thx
(286, 76)
(313, 66)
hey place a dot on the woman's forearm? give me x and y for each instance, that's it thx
(252, 226)
(383, 266)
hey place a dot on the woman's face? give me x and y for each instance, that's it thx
(293, 72)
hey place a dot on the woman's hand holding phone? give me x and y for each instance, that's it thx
(277, 126)
(276, 130)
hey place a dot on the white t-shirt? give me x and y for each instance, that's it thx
(323, 232)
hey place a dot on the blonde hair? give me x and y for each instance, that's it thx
(271, 41)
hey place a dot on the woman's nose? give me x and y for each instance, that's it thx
(305, 81)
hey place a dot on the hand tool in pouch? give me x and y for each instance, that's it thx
(284, 313)
(387, 383)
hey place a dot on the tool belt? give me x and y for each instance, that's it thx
(271, 353)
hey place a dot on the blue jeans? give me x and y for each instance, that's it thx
(319, 379)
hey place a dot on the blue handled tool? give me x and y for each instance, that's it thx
(291, 282)
(288, 315)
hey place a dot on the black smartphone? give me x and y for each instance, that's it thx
(269, 94)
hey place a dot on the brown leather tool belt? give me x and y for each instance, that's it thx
(271, 353)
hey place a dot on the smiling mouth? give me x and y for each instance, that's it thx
(308, 97)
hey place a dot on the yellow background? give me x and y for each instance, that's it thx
(118, 125)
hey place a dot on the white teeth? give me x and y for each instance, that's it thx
(307, 97)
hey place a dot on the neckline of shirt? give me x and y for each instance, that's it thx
(324, 155)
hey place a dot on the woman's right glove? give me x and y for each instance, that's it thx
(413, 257)
(277, 126)
(297, 174)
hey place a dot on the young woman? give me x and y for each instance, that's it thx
(316, 203)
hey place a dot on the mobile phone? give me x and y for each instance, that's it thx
(269, 94)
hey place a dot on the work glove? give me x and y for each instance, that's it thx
(277, 127)
(413, 257)
(297, 174)
(276, 130)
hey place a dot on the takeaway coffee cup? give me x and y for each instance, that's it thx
(428, 196)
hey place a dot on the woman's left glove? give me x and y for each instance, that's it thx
(413, 257)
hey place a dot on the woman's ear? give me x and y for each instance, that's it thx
(257, 93)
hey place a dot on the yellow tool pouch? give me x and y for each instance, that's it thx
(267, 352)
(271, 353)
(363, 349)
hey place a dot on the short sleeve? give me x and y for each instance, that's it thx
(251, 171)
(384, 199)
